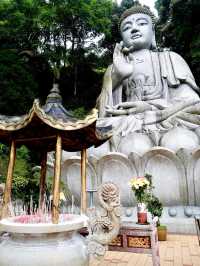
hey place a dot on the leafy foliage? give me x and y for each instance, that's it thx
(26, 179)
(19, 24)
(80, 112)
(155, 207)
(18, 87)
(62, 33)
(22, 172)
(69, 25)
(179, 29)
(163, 8)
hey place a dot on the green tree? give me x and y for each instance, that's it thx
(20, 78)
(19, 24)
(163, 7)
(22, 177)
(179, 29)
(25, 180)
(18, 88)
(61, 32)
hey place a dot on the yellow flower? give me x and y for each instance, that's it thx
(136, 183)
(131, 182)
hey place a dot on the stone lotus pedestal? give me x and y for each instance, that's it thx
(175, 177)
(43, 244)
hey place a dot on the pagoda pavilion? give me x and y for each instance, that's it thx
(50, 128)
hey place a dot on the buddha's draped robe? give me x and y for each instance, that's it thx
(174, 101)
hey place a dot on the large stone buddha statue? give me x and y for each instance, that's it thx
(151, 99)
(146, 89)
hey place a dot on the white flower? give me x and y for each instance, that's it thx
(62, 196)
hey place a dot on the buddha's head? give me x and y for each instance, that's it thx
(137, 27)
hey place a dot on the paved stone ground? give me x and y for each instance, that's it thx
(178, 250)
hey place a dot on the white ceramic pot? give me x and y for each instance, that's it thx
(43, 244)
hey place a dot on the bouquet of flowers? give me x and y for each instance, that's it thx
(141, 186)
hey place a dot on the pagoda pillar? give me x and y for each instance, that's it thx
(56, 184)
(42, 180)
(8, 187)
(83, 181)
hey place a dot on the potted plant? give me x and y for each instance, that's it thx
(155, 207)
(141, 186)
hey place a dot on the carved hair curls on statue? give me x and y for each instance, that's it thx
(138, 9)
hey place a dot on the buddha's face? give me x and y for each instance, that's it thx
(137, 31)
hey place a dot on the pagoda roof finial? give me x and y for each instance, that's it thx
(54, 95)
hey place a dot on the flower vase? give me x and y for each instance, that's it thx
(141, 213)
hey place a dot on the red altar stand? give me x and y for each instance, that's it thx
(137, 238)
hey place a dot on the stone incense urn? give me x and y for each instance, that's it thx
(32, 240)
(43, 244)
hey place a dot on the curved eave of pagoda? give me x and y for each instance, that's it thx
(17, 123)
(103, 134)
(38, 130)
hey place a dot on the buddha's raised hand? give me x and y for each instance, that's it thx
(122, 69)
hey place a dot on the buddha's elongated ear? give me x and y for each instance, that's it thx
(153, 44)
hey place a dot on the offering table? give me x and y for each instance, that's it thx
(137, 238)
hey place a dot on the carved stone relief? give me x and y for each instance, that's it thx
(194, 178)
(175, 175)
(168, 176)
(71, 175)
(118, 168)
